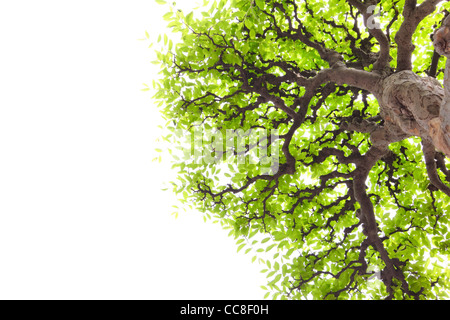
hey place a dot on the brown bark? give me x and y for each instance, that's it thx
(413, 15)
(418, 107)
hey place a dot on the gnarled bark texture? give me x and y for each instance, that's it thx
(418, 107)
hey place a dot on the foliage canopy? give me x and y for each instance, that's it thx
(304, 69)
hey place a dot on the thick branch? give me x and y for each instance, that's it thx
(383, 59)
(359, 184)
(367, 217)
(430, 162)
(413, 16)
(340, 75)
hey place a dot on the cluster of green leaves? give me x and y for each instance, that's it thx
(412, 216)
(302, 226)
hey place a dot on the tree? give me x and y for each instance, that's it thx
(357, 205)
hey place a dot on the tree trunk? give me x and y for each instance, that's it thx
(418, 106)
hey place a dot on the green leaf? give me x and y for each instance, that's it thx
(168, 16)
(260, 4)
(277, 278)
(265, 240)
(248, 24)
(276, 266)
(189, 17)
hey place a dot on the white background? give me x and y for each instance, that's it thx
(81, 211)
